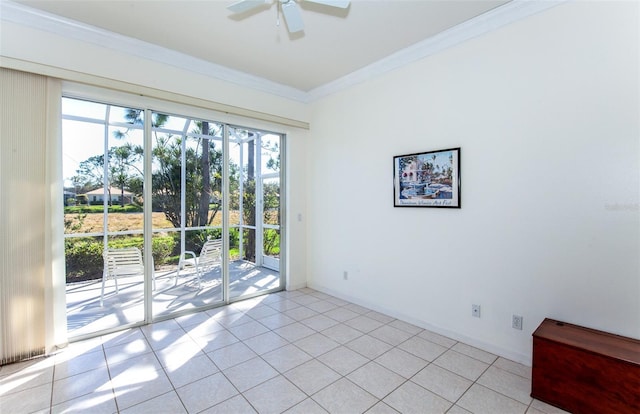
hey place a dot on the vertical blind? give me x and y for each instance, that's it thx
(24, 195)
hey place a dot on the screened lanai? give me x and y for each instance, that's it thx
(168, 184)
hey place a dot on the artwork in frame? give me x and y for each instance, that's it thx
(427, 179)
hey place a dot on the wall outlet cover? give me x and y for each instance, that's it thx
(516, 322)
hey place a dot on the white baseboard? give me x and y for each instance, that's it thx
(488, 347)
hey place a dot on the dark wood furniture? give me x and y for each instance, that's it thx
(583, 370)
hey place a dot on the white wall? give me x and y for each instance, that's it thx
(297, 210)
(39, 46)
(546, 112)
(46, 48)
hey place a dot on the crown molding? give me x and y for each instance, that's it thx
(487, 22)
(494, 19)
(40, 20)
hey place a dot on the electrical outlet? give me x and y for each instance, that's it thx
(475, 311)
(516, 322)
(345, 275)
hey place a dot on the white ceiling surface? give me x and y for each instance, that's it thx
(339, 48)
(334, 43)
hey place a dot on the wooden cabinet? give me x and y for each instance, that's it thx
(583, 370)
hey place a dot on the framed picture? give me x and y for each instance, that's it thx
(427, 179)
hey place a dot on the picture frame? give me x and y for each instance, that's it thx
(427, 179)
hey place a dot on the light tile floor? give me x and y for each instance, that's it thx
(295, 352)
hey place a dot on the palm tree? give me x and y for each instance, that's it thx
(202, 217)
(123, 157)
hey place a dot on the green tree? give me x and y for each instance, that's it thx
(122, 169)
(271, 195)
(122, 161)
(90, 172)
(203, 169)
(272, 148)
(202, 217)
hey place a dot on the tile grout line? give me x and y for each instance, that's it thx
(475, 382)
(313, 358)
(345, 306)
(113, 391)
(53, 381)
(369, 360)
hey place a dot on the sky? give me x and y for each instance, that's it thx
(82, 139)
(442, 159)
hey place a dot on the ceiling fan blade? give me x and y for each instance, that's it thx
(342, 4)
(246, 5)
(292, 16)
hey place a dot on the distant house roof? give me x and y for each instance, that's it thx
(113, 190)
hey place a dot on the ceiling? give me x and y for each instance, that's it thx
(335, 42)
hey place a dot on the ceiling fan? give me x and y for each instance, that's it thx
(290, 9)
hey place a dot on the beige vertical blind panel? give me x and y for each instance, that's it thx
(23, 193)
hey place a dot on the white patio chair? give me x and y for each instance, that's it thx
(122, 262)
(210, 256)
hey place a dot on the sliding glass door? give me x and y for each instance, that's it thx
(103, 155)
(270, 205)
(187, 203)
(256, 209)
(206, 204)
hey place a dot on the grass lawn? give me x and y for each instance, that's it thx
(93, 223)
